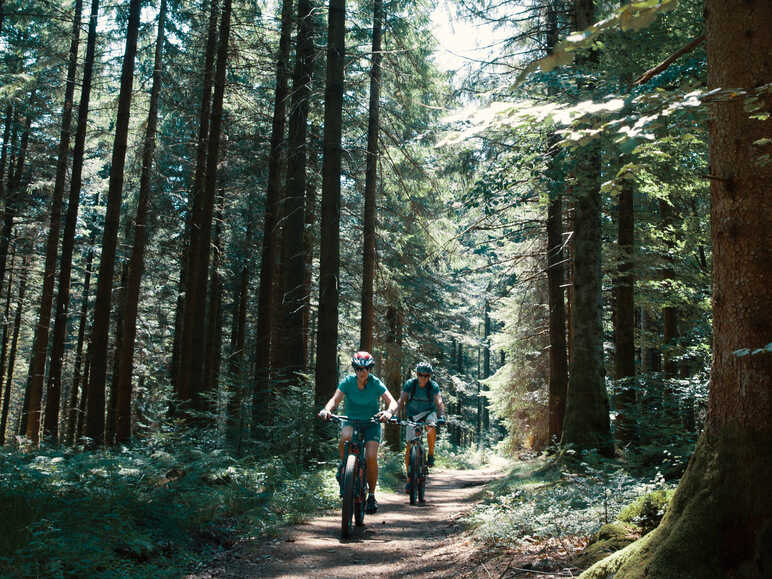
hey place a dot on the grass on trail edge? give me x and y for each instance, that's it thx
(143, 512)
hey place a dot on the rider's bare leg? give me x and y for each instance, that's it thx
(372, 465)
(407, 456)
(345, 435)
(431, 437)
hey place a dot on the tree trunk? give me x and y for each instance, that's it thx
(123, 379)
(266, 306)
(14, 341)
(40, 340)
(295, 299)
(624, 322)
(718, 523)
(95, 416)
(558, 360)
(369, 257)
(214, 317)
(71, 219)
(112, 406)
(75, 400)
(185, 366)
(329, 253)
(393, 366)
(309, 259)
(586, 424)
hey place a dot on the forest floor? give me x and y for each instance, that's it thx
(426, 540)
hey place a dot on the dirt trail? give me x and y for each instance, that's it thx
(420, 541)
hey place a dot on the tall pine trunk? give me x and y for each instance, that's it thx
(95, 416)
(71, 219)
(267, 298)
(558, 380)
(186, 325)
(123, 379)
(329, 252)
(12, 355)
(200, 389)
(369, 256)
(78, 388)
(293, 243)
(719, 520)
(40, 341)
(586, 424)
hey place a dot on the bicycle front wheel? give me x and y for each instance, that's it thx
(347, 508)
(416, 467)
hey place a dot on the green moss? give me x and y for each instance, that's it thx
(647, 511)
(610, 538)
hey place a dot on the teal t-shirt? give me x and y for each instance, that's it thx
(362, 404)
(423, 399)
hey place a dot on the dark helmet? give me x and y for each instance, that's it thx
(423, 368)
(363, 360)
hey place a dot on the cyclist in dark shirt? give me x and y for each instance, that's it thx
(421, 396)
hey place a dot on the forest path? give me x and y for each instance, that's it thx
(419, 541)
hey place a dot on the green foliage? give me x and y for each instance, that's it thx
(558, 499)
(647, 511)
(151, 511)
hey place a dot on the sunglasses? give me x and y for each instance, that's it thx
(356, 369)
(424, 375)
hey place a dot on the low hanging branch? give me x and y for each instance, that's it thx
(649, 74)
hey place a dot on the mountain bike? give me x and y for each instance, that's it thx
(353, 479)
(417, 469)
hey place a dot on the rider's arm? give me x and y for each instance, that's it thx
(439, 404)
(392, 409)
(332, 404)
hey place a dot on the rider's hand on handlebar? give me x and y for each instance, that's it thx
(441, 421)
(325, 414)
(383, 416)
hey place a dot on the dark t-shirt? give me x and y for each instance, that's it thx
(423, 398)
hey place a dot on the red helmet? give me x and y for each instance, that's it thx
(363, 360)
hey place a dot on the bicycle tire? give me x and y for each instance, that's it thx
(347, 507)
(359, 507)
(415, 471)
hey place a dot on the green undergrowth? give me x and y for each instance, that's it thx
(545, 497)
(391, 465)
(143, 512)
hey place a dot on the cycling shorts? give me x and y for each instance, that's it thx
(430, 419)
(372, 431)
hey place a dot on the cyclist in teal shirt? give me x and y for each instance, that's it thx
(362, 392)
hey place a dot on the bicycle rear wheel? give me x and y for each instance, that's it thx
(347, 509)
(416, 467)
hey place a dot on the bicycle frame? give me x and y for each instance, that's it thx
(353, 481)
(417, 469)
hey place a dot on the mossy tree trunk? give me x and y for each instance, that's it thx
(720, 520)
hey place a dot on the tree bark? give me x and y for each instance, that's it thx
(558, 380)
(71, 219)
(78, 384)
(95, 416)
(198, 299)
(267, 307)
(123, 379)
(184, 365)
(586, 424)
(214, 317)
(40, 340)
(369, 257)
(624, 322)
(718, 523)
(295, 300)
(329, 253)
(14, 341)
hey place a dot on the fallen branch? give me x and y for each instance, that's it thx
(647, 76)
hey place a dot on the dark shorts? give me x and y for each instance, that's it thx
(372, 431)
